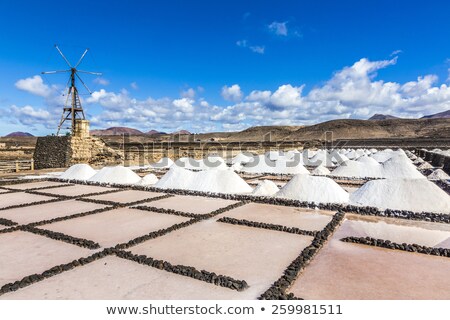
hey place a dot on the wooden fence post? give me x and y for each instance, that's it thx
(17, 166)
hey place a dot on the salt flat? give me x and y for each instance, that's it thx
(48, 211)
(306, 219)
(255, 255)
(19, 198)
(116, 226)
(191, 204)
(352, 271)
(115, 278)
(76, 190)
(33, 185)
(127, 196)
(24, 253)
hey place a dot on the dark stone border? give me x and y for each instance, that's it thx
(70, 217)
(84, 243)
(64, 197)
(387, 244)
(278, 289)
(7, 222)
(191, 272)
(125, 204)
(8, 230)
(63, 185)
(23, 205)
(29, 280)
(268, 226)
(167, 211)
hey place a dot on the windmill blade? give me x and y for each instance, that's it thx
(56, 71)
(83, 83)
(62, 55)
(90, 72)
(82, 57)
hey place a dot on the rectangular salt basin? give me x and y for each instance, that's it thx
(191, 204)
(33, 185)
(344, 271)
(257, 256)
(76, 190)
(24, 253)
(302, 218)
(400, 233)
(127, 196)
(19, 198)
(116, 226)
(48, 211)
(114, 278)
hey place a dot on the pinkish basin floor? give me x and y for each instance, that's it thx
(48, 211)
(116, 278)
(24, 253)
(191, 204)
(352, 271)
(306, 219)
(32, 185)
(18, 198)
(127, 196)
(255, 255)
(76, 190)
(116, 226)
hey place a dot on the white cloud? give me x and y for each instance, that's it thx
(101, 81)
(279, 28)
(396, 52)
(134, 86)
(189, 93)
(34, 85)
(232, 93)
(184, 105)
(253, 48)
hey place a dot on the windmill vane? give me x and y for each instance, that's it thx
(74, 110)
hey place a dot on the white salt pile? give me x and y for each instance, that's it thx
(438, 174)
(304, 187)
(265, 188)
(163, 163)
(384, 155)
(403, 194)
(320, 171)
(148, 180)
(242, 158)
(119, 175)
(357, 169)
(218, 181)
(80, 171)
(210, 162)
(262, 164)
(425, 166)
(368, 160)
(399, 166)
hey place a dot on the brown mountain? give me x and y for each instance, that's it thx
(367, 129)
(115, 131)
(440, 115)
(379, 116)
(152, 132)
(181, 132)
(19, 134)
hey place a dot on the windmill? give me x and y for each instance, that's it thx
(75, 110)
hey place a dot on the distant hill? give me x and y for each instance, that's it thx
(367, 129)
(181, 132)
(19, 134)
(440, 115)
(114, 131)
(152, 132)
(379, 116)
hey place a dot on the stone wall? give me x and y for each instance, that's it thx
(51, 152)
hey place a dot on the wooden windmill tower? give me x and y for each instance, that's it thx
(72, 110)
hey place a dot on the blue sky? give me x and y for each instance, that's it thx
(206, 66)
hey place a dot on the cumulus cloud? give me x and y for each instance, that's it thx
(232, 93)
(188, 93)
(279, 28)
(134, 86)
(34, 85)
